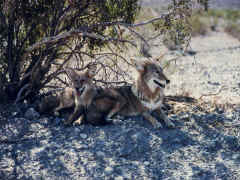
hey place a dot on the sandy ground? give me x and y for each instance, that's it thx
(213, 70)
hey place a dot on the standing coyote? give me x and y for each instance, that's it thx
(142, 98)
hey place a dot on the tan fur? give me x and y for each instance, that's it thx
(98, 105)
(78, 96)
(143, 98)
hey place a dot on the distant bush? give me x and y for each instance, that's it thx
(202, 22)
(233, 29)
(200, 25)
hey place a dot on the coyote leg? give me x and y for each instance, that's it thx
(164, 117)
(114, 111)
(79, 121)
(152, 120)
(57, 109)
(120, 103)
(77, 111)
(60, 107)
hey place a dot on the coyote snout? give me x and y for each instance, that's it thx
(161, 83)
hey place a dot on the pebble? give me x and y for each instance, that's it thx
(108, 170)
(31, 114)
(119, 178)
(83, 136)
(146, 163)
(100, 153)
(14, 113)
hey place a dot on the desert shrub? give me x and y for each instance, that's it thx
(232, 15)
(200, 25)
(201, 22)
(233, 29)
(24, 23)
(233, 23)
(40, 38)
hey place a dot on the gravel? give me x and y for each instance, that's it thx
(204, 144)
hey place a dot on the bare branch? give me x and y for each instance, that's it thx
(72, 33)
(20, 93)
(111, 82)
(146, 22)
(213, 94)
(84, 33)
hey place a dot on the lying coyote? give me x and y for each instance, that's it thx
(143, 98)
(78, 96)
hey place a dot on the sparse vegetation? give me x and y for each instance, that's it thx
(204, 21)
(226, 19)
(233, 29)
(38, 38)
(200, 25)
(41, 38)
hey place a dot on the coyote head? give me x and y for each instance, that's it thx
(152, 74)
(82, 81)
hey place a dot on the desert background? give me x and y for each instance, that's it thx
(204, 145)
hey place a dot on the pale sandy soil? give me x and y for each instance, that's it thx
(214, 68)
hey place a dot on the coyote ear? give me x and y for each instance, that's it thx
(139, 65)
(92, 68)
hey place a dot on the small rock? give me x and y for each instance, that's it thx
(119, 178)
(146, 163)
(84, 136)
(44, 121)
(100, 153)
(206, 74)
(14, 113)
(84, 146)
(58, 120)
(236, 156)
(185, 117)
(214, 83)
(126, 150)
(31, 114)
(108, 170)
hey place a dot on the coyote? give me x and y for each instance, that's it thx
(78, 96)
(142, 98)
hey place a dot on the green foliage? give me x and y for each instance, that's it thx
(227, 14)
(202, 21)
(24, 23)
(231, 17)
(233, 29)
(199, 25)
(176, 26)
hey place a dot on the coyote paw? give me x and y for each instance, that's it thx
(157, 125)
(169, 123)
(78, 122)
